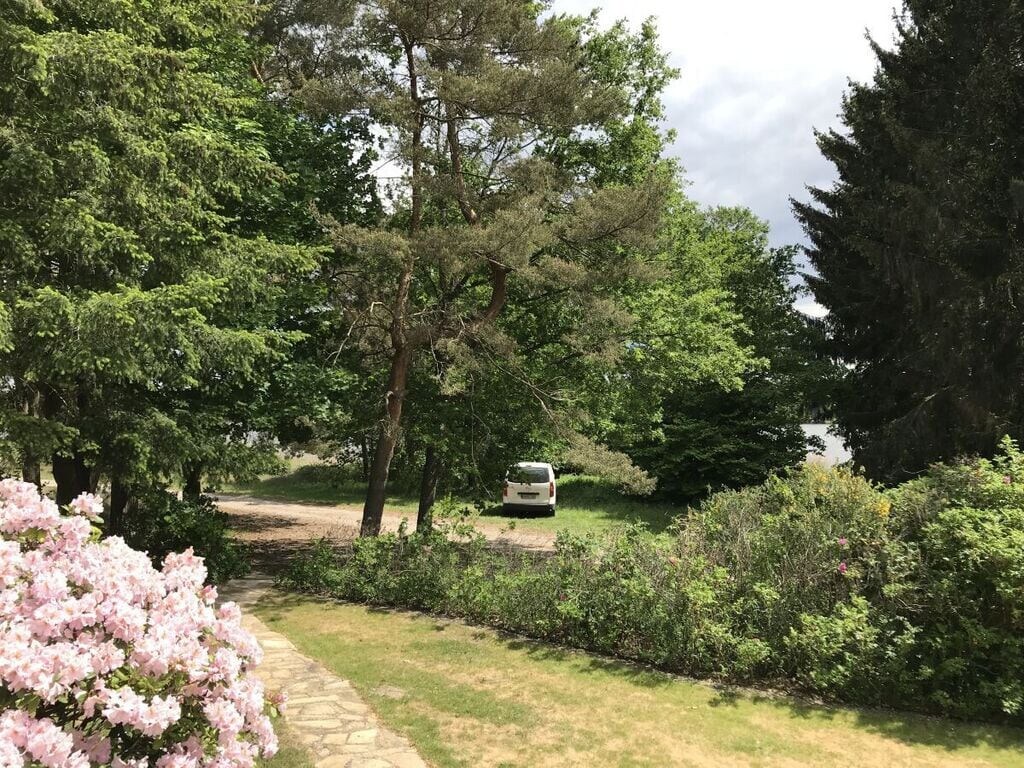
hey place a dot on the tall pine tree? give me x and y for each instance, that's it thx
(917, 247)
(466, 92)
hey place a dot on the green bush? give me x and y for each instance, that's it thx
(332, 475)
(854, 653)
(794, 545)
(934, 618)
(912, 597)
(959, 532)
(160, 523)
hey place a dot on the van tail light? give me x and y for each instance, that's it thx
(504, 492)
(551, 488)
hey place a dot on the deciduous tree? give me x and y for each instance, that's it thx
(710, 436)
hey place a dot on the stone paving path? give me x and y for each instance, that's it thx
(323, 710)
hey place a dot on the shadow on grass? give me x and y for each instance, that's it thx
(275, 557)
(260, 523)
(499, 511)
(586, 661)
(274, 553)
(910, 728)
(907, 728)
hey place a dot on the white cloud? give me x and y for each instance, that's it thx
(809, 307)
(756, 79)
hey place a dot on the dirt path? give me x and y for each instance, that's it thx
(277, 530)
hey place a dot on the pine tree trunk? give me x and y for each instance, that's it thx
(391, 424)
(31, 473)
(428, 490)
(120, 497)
(373, 508)
(192, 488)
(72, 477)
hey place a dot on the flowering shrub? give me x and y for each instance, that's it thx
(797, 543)
(105, 660)
(957, 565)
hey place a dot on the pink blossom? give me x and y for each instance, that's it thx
(842, 567)
(41, 740)
(280, 700)
(96, 746)
(23, 509)
(177, 761)
(88, 506)
(10, 755)
(842, 541)
(151, 718)
(93, 622)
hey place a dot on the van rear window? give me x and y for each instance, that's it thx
(528, 474)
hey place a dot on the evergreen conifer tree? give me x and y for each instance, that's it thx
(917, 247)
(141, 314)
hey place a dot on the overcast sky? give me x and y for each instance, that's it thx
(756, 78)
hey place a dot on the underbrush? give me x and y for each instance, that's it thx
(160, 523)
(912, 597)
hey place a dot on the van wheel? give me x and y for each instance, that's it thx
(551, 511)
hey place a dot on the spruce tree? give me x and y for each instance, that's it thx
(917, 246)
(142, 313)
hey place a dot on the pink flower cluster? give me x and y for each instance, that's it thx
(105, 660)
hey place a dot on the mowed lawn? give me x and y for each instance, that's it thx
(585, 504)
(470, 697)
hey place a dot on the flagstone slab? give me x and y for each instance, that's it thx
(324, 710)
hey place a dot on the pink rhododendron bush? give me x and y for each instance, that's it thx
(105, 660)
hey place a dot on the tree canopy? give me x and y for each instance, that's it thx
(142, 313)
(448, 231)
(711, 434)
(466, 93)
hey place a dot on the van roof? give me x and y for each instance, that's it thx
(533, 464)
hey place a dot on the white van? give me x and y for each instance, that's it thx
(529, 487)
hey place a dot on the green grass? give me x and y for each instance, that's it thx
(290, 754)
(472, 697)
(588, 504)
(302, 486)
(585, 504)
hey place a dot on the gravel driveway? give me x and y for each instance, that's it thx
(277, 530)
